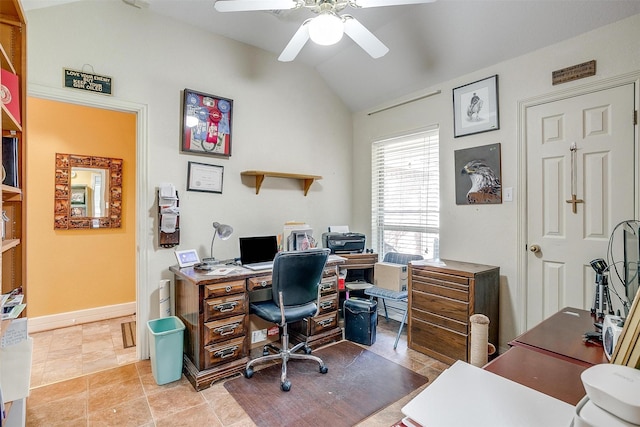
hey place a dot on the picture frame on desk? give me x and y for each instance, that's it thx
(206, 124)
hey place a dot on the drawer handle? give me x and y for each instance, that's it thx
(325, 286)
(226, 352)
(223, 308)
(325, 323)
(264, 284)
(227, 289)
(226, 330)
(326, 304)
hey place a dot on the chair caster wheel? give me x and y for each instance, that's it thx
(324, 369)
(307, 349)
(286, 386)
(248, 373)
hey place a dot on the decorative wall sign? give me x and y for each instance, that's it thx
(478, 175)
(475, 107)
(89, 82)
(203, 177)
(206, 124)
(575, 72)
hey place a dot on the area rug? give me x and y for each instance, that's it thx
(358, 384)
(128, 334)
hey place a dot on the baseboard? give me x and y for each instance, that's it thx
(63, 320)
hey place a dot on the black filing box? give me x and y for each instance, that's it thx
(360, 318)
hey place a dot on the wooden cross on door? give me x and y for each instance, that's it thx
(574, 201)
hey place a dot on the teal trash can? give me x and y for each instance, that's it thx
(166, 345)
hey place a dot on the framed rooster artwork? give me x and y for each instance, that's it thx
(478, 175)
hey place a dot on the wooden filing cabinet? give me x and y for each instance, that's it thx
(441, 300)
(215, 317)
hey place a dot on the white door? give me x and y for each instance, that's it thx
(600, 124)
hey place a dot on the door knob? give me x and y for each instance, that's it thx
(534, 248)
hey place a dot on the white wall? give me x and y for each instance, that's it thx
(285, 119)
(487, 234)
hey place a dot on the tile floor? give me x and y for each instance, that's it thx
(82, 376)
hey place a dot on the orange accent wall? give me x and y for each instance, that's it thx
(77, 269)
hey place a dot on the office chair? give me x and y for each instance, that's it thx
(387, 294)
(296, 291)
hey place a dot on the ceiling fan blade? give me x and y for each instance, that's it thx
(363, 37)
(379, 3)
(296, 43)
(248, 5)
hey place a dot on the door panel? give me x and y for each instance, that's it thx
(601, 126)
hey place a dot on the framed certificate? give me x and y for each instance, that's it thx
(204, 177)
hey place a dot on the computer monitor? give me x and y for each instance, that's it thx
(258, 249)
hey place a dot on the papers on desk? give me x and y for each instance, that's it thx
(15, 356)
(465, 395)
(223, 271)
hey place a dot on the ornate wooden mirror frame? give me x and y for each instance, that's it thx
(62, 216)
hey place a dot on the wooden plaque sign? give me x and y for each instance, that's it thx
(574, 72)
(86, 81)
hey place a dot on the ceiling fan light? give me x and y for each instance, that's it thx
(326, 29)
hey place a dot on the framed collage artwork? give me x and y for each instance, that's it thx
(206, 124)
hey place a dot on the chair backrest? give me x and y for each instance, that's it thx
(399, 258)
(297, 274)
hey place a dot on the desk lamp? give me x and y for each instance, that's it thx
(224, 231)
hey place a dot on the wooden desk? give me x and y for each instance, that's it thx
(551, 356)
(561, 335)
(550, 375)
(215, 312)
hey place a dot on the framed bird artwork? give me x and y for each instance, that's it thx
(478, 175)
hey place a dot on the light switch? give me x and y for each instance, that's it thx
(508, 194)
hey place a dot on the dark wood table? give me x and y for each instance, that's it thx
(550, 375)
(562, 336)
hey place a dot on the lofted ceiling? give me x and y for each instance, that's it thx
(428, 43)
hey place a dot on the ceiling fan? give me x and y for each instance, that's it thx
(325, 29)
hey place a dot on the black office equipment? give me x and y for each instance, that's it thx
(257, 253)
(344, 243)
(360, 319)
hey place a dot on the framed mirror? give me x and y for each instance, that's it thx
(88, 192)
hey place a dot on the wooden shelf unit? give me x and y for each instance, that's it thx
(13, 58)
(306, 180)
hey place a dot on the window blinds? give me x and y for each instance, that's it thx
(405, 194)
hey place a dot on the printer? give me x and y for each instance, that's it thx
(344, 243)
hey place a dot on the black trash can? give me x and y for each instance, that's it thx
(360, 318)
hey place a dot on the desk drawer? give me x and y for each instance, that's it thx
(219, 308)
(441, 306)
(223, 352)
(315, 325)
(222, 330)
(445, 322)
(459, 292)
(225, 288)
(439, 340)
(329, 286)
(261, 282)
(328, 304)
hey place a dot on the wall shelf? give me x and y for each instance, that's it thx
(306, 180)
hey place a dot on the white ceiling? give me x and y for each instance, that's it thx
(429, 43)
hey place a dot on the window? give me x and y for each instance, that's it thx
(405, 194)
